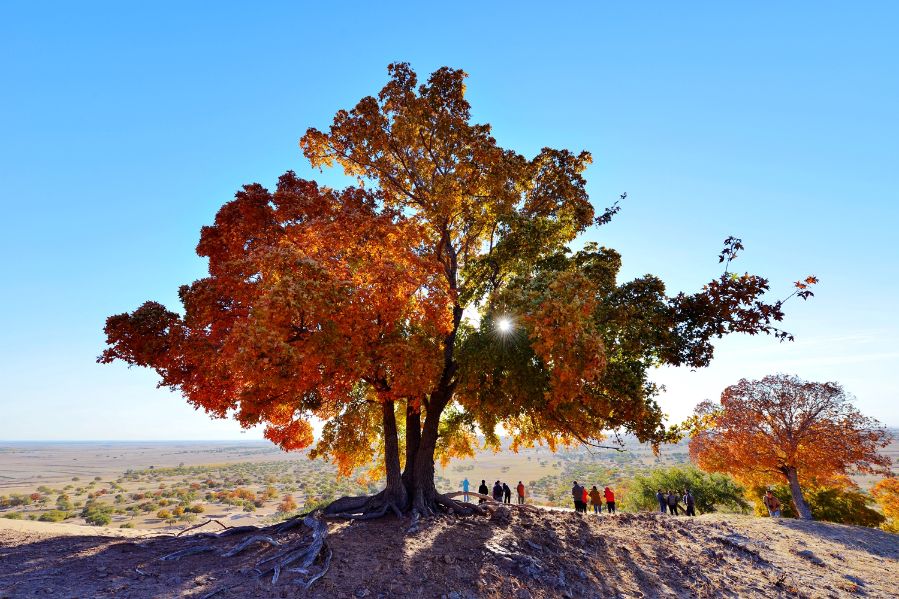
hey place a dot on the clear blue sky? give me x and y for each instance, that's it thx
(124, 129)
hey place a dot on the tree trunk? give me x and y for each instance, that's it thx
(395, 492)
(424, 493)
(799, 503)
(413, 440)
(424, 498)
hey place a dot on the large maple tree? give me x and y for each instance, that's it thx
(434, 300)
(782, 429)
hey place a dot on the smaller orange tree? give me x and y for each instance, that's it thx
(781, 429)
(886, 493)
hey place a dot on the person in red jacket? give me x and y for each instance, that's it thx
(610, 500)
(520, 489)
(584, 498)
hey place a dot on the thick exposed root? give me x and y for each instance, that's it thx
(491, 504)
(377, 506)
(247, 542)
(459, 507)
(362, 508)
(295, 557)
(349, 505)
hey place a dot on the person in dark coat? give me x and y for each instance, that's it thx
(498, 491)
(483, 490)
(672, 503)
(663, 501)
(690, 502)
(577, 492)
(507, 494)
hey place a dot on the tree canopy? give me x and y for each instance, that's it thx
(356, 306)
(782, 429)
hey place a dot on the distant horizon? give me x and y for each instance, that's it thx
(892, 429)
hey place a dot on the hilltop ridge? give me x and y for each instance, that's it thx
(513, 553)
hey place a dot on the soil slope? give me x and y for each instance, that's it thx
(514, 553)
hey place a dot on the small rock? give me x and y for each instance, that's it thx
(453, 595)
(362, 592)
(805, 553)
(501, 515)
(449, 559)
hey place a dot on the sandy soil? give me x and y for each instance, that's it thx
(515, 553)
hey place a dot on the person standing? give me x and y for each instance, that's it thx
(483, 490)
(498, 492)
(672, 503)
(576, 494)
(772, 503)
(465, 489)
(507, 494)
(520, 489)
(596, 500)
(690, 502)
(663, 501)
(610, 500)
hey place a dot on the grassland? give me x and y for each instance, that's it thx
(167, 486)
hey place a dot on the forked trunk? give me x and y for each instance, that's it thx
(802, 508)
(424, 496)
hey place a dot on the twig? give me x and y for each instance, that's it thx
(200, 525)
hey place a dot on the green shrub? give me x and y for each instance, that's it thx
(53, 516)
(829, 504)
(13, 516)
(97, 513)
(712, 492)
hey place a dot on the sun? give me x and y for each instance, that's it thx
(504, 325)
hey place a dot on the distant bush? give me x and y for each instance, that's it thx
(196, 509)
(712, 492)
(15, 500)
(12, 516)
(287, 504)
(63, 503)
(127, 525)
(163, 514)
(53, 516)
(314, 503)
(97, 513)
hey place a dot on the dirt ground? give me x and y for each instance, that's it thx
(521, 554)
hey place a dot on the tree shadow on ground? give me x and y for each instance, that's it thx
(106, 567)
(870, 540)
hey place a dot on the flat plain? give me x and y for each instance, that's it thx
(171, 485)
